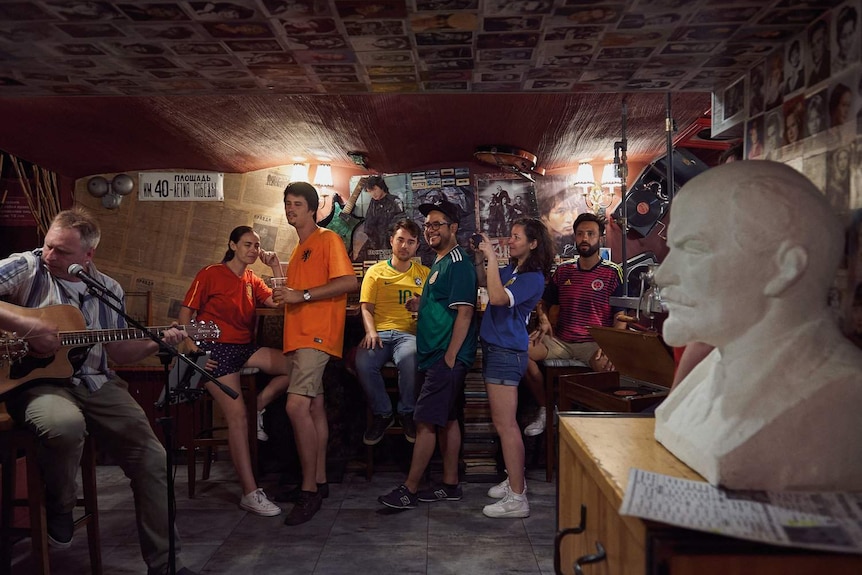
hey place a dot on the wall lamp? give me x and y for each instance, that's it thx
(323, 175)
(299, 172)
(597, 195)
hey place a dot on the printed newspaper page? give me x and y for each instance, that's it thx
(828, 521)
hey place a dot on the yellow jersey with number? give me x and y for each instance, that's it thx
(388, 289)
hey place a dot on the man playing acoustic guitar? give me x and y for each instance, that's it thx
(86, 396)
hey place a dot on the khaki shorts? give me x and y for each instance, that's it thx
(559, 349)
(305, 371)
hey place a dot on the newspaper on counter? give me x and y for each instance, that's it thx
(827, 521)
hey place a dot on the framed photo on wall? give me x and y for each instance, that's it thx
(502, 199)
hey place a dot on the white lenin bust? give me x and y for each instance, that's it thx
(777, 405)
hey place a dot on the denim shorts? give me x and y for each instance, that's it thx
(503, 366)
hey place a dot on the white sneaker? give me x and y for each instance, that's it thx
(512, 505)
(261, 434)
(257, 503)
(501, 489)
(538, 425)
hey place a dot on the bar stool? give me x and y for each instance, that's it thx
(390, 376)
(14, 442)
(552, 369)
(202, 429)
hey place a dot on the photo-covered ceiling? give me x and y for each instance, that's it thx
(76, 47)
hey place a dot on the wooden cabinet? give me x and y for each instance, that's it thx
(596, 453)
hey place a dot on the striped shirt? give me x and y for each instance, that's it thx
(25, 281)
(584, 298)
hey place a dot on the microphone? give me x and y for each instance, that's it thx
(79, 271)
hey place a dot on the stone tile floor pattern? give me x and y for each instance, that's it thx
(352, 533)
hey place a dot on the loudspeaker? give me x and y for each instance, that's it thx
(649, 198)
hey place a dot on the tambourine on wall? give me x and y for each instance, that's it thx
(111, 192)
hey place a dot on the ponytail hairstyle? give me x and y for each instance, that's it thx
(235, 235)
(542, 256)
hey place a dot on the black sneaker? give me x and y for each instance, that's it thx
(442, 492)
(295, 494)
(399, 498)
(308, 504)
(377, 429)
(409, 427)
(61, 527)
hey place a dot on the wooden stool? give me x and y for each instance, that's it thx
(551, 370)
(202, 428)
(14, 441)
(390, 376)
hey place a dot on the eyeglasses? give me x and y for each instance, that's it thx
(434, 226)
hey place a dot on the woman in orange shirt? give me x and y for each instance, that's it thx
(227, 294)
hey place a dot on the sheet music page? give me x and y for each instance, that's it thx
(829, 521)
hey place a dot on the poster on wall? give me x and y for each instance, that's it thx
(14, 209)
(267, 229)
(559, 205)
(180, 187)
(428, 187)
(502, 199)
(378, 207)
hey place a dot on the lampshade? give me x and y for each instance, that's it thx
(585, 175)
(299, 173)
(323, 175)
(610, 177)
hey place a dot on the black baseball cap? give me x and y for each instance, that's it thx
(450, 210)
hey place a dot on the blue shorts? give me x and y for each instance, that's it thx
(441, 393)
(230, 356)
(503, 366)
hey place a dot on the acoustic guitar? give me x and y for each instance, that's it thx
(343, 221)
(18, 366)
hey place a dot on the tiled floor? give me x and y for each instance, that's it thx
(352, 534)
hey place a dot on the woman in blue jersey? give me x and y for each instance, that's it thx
(513, 293)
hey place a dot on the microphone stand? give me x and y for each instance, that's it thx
(106, 296)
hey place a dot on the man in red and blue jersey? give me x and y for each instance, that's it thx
(583, 290)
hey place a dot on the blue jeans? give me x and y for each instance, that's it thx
(400, 347)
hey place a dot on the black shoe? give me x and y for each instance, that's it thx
(377, 429)
(61, 527)
(442, 492)
(409, 427)
(399, 498)
(305, 508)
(295, 494)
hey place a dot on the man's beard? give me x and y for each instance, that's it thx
(587, 252)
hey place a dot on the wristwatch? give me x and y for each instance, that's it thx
(306, 295)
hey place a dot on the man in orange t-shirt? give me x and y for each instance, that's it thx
(319, 277)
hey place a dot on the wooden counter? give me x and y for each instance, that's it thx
(596, 453)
